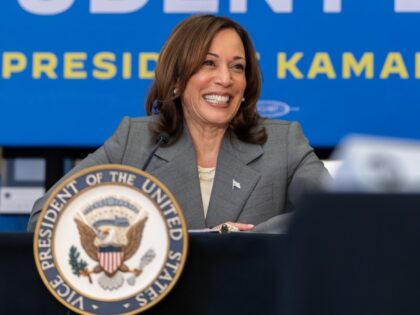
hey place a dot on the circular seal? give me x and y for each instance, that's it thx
(111, 239)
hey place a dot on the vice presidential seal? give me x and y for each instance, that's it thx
(111, 239)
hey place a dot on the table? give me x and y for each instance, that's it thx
(235, 273)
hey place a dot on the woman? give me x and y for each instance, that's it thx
(223, 163)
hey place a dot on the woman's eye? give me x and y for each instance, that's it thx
(239, 66)
(209, 63)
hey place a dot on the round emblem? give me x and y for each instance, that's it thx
(111, 239)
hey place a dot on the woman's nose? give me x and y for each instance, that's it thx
(223, 76)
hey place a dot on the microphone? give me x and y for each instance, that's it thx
(162, 138)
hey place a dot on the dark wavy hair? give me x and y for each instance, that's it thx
(181, 57)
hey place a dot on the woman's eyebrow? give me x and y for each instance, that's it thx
(217, 56)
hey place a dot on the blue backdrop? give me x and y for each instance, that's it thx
(67, 78)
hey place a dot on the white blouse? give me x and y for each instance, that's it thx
(206, 176)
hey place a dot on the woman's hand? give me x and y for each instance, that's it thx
(234, 227)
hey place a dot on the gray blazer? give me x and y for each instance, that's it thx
(271, 176)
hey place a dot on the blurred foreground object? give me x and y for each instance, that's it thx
(376, 164)
(350, 254)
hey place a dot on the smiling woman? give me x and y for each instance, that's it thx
(214, 93)
(207, 50)
(223, 163)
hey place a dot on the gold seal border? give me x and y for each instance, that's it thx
(120, 167)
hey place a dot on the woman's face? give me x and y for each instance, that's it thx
(214, 93)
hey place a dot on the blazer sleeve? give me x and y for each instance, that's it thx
(305, 173)
(112, 152)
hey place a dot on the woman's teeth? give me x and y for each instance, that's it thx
(216, 99)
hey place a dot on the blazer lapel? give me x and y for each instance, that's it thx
(176, 167)
(234, 180)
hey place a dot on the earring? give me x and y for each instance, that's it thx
(175, 91)
(243, 99)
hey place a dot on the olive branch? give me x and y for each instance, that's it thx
(78, 266)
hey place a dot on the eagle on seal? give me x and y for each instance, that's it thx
(110, 244)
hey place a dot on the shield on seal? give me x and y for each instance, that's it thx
(110, 258)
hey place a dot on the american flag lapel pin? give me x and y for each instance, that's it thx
(235, 184)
